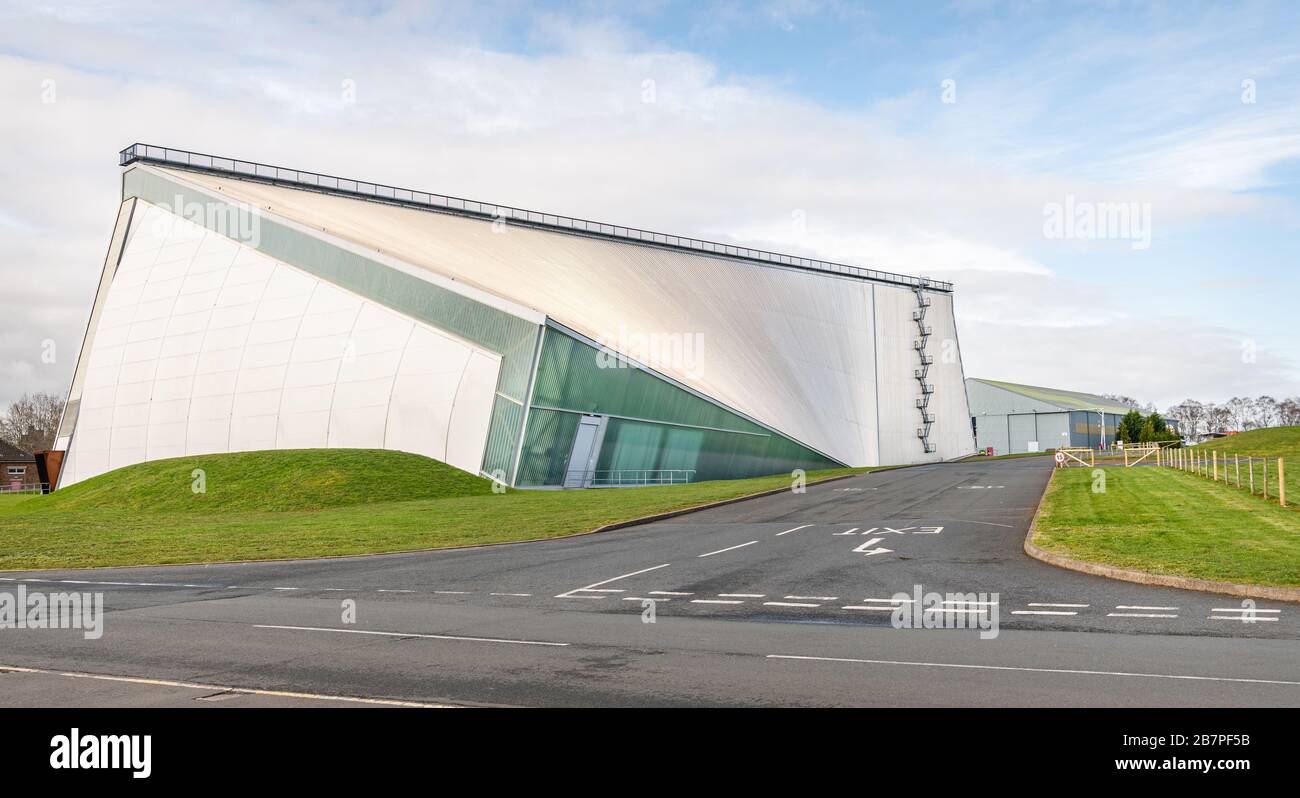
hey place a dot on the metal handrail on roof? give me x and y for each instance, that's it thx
(249, 170)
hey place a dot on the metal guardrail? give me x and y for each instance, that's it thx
(628, 478)
(250, 170)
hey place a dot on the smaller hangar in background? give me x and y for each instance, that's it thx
(1014, 418)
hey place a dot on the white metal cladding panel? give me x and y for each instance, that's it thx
(951, 432)
(1022, 431)
(791, 349)
(899, 390)
(206, 346)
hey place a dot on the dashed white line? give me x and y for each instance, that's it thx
(1068, 606)
(789, 604)
(715, 601)
(1043, 612)
(1134, 607)
(452, 592)
(521, 595)
(1240, 609)
(669, 593)
(729, 548)
(796, 529)
(639, 598)
(409, 634)
(383, 590)
(1067, 671)
(812, 598)
(741, 595)
(876, 608)
(1138, 615)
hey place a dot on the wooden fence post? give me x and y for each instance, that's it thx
(1215, 457)
(1251, 462)
(1281, 483)
(1236, 462)
(1265, 479)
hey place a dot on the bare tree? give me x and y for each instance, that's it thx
(1190, 415)
(1288, 411)
(1265, 411)
(32, 421)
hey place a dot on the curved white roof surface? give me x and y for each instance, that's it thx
(793, 349)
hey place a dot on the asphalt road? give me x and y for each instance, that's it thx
(782, 600)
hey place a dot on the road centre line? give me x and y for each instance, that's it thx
(1137, 615)
(509, 594)
(1240, 609)
(877, 608)
(796, 529)
(1134, 607)
(1022, 669)
(729, 548)
(588, 588)
(714, 601)
(1043, 612)
(409, 635)
(214, 688)
(789, 604)
(812, 598)
(1067, 606)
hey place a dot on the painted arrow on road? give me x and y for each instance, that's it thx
(866, 550)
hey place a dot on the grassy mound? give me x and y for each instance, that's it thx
(312, 503)
(1274, 442)
(291, 479)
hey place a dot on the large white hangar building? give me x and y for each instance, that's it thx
(246, 307)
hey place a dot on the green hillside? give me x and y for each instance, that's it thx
(1274, 442)
(292, 479)
(313, 503)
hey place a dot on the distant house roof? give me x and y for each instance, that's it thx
(12, 454)
(1066, 400)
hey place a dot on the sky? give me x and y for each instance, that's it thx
(972, 142)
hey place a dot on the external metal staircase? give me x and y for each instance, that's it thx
(921, 345)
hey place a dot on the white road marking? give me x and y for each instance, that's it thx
(638, 598)
(729, 548)
(876, 608)
(591, 587)
(286, 588)
(382, 590)
(409, 634)
(866, 551)
(215, 688)
(789, 604)
(604, 590)
(848, 531)
(889, 601)
(1046, 604)
(452, 592)
(669, 593)
(1133, 607)
(813, 598)
(510, 594)
(1043, 612)
(1068, 671)
(972, 603)
(796, 529)
(1138, 615)
(1240, 609)
(741, 595)
(714, 601)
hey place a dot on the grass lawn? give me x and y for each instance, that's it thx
(1274, 442)
(1166, 522)
(310, 503)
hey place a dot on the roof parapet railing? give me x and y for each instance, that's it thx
(447, 204)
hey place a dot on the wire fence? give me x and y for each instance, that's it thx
(25, 488)
(1259, 475)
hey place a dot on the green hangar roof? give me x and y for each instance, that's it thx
(1066, 400)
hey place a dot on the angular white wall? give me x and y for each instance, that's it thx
(204, 345)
